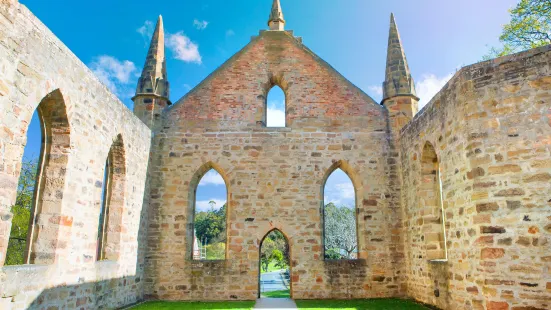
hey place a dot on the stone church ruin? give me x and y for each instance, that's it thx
(453, 202)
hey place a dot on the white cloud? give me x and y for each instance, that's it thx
(230, 33)
(200, 24)
(203, 205)
(212, 177)
(346, 190)
(340, 194)
(115, 74)
(183, 48)
(146, 31)
(376, 89)
(428, 86)
(376, 92)
(275, 117)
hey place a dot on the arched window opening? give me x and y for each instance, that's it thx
(275, 108)
(111, 203)
(209, 225)
(274, 266)
(36, 213)
(23, 209)
(104, 211)
(339, 217)
(431, 207)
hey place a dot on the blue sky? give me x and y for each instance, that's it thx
(211, 188)
(112, 38)
(339, 190)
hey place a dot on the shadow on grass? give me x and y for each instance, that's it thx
(165, 305)
(360, 304)
(277, 294)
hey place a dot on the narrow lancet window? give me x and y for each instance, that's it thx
(209, 233)
(111, 203)
(276, 108)
(104, 211)
(339, 217)
(430, 197)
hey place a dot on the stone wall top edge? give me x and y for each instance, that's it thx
(298, 43)
(429, 110)
(128, 115)
(211, 76)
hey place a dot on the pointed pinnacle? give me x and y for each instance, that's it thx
(155, 62)
(276, 20)
(159, 28)
(398, 80)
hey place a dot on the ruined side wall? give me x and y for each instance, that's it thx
(33, 63)
(274, 178)
(491, 128)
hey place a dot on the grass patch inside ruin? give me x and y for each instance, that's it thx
(360, 304)
(165, 305)
(277, 294)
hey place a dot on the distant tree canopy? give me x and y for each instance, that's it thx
(211, 225)
(22, 213)
(530, 27)
(341, 240)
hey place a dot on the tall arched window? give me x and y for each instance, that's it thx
(112, 203)
(210, 217)
(339, 217)
(36, 221)
(17, 246)
(430, 197)
(275, 108)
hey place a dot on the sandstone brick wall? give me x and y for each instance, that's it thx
(490, 127)
(479, 152)
(86, 119)
(274, 177)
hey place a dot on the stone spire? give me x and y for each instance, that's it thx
(154, 78)
(276, 21)
(152, 92)
(398, 80)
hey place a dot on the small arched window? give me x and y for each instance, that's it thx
(36, 212)
(111, 203)
(430, 197)
(275, 108)
(339, 217)
(210, 217)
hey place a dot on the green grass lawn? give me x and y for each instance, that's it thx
(355, 304)
(360, 304)
(277, 294)
(165, 305)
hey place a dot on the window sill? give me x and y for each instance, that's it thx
(350, 260)
(272, 129)
(106, 262)
(438, 261)
(25, 267)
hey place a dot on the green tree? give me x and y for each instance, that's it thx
(274, 249)
(530, 27)
(211, 225)
(340, 232)
(22, 213)
(216, 251)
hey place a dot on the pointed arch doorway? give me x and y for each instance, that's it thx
(274, 264)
